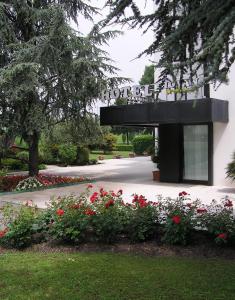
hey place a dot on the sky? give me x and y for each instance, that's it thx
(125, 48)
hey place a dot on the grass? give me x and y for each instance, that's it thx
(103, 276)
(95, 154)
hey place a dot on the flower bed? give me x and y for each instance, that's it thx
(18, 183)
(103, 216)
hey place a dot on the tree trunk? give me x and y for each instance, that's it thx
(33, 154)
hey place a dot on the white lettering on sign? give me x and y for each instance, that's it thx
(142, 92)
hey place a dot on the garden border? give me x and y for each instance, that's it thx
(47, 187)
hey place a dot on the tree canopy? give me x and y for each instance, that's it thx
(49, 72)
(189, 35)
(148, 76)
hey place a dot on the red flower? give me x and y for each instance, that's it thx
(201, 210)
(90, 212)
(94, 197)
(113, 194)
(90, 186)
(176, 219)
(189, 205)
(109, 203)
(222, 236)
(228, 203)
(120, 192)
(103, 193)
(182, 194)
(60, 212)
(3, 232)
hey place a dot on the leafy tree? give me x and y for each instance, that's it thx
(49, 72)
(148, 76)
(191, 35)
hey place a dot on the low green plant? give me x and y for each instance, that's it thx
(20, 226)
(123, 147)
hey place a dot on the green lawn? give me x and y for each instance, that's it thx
(113, 276)
(95, 154)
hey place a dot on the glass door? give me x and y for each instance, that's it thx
(195, 152)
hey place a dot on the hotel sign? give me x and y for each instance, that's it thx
(152, 93)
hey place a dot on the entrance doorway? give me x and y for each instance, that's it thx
(186, 153)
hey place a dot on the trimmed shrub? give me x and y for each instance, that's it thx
(14, 164)
(23, 155)
(143, 143)
(120, 147)
(67, 153)
(109, 143)
(82, 155)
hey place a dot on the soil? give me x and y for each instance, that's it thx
(151, 248)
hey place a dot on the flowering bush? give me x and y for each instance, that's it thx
(9, 183)
(143, 219)
(29, 183)
(178, 217)
(218, 220)
(110, 218)
(19, 226)
(67, 219)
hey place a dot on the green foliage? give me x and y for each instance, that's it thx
(231, 168)
(180, 220)
(24, 155)
(218, 220)
(14, 164)
(20, 226)
(142, 223)
(67, 153)
(109, 143)
(82, 155)
(181, 24)
(124, 147)
(71, 225)
(143, 143)
(148, 76)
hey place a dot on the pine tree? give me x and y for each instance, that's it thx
(189, 34)
(49, 72)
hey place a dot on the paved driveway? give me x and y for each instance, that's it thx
(132, 175)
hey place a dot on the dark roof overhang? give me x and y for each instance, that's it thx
(172, 112)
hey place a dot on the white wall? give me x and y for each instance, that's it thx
(224, 134)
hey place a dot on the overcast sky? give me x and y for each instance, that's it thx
(127, 46)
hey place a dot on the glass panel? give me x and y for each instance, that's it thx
(196, 152)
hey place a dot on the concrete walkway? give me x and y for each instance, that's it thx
(132, 175)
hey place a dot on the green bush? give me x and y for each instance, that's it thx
(109, 143)
(82, 155)
(20, 226)
(231, 168)
(14, 164)
(179, 219)
(120, 147)
(23, 155)
(142, 221)
(143, 143)
(67, 153)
